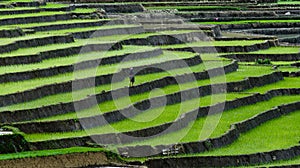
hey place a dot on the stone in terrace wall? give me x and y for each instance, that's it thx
(11, 33)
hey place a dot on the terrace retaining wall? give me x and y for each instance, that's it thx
(167, 39)
(11, 33)
(28, 59)
(227, 14)
(272, 31)
(259, 25)
(115, 116)
(69, 86)
(34, 42)
(108, 32)
(38, 73)
(273, 57)
(221, 19)
(114, 8)
(295, 39)
(36, 19)
(14, 12)
(226, 49)
(46, 111)
(187, 148)
(76, 25)
(226, 161)
(231, 135)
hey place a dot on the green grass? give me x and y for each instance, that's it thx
(17, 8)
(66, 97)
(84, 10)
(78, 42)
(5, 41)
(280, 133)
(54, 5)
(170, 113)
(50, 47)
(43, 153)
(31, 15)
(69, 60)
(29, 25)
(196, 132)
(101, 70)
(288, 82)
(143, 120)
(278, 50)
(82, 29)
(288, 2)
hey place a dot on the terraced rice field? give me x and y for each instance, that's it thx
(216, 84)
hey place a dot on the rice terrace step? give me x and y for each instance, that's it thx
(125, 83)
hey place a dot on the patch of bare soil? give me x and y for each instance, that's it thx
(57, 161)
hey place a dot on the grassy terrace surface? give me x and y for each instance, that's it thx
(27, 37)
(280, 133)
(67, 97)
(63, 32)
(143, 120)
(78, 42)
(61, 61)
(110, 105)
(193, 131)
(278, 50)
(43, 153)
(31, 15)
(275, 134)
(74, 30)
(29, 25)
(12, 87)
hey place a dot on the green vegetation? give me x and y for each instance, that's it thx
(276, 134)
(196, 131)
(49, 152)
(280, 133)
